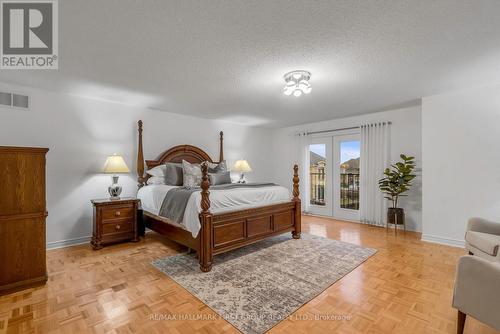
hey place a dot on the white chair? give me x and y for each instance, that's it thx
(483, 239)
(477, 291)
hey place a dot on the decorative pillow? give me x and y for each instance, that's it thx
(157, 171)
(173, 174)
(217, 168)
(156, 180)
(219, 178)
(191, 174)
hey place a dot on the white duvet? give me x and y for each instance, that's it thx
(152, 196)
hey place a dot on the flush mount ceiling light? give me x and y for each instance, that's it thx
(297, 83)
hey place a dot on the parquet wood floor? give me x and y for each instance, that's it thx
(405, 288)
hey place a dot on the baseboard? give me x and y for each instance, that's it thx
(74, 241)
(408, 228)
(443, 241)
(68, 242)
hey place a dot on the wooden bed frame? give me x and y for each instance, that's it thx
(226, 231)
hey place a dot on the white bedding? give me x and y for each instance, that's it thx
(152, 196)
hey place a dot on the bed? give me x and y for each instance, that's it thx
(217, 221)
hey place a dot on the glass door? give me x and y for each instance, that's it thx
(320, 176)
(346, 157)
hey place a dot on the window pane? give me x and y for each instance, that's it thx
(349, 174)
(317, 158)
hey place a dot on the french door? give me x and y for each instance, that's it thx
(320, 176)
(334, 176)
(346, 157)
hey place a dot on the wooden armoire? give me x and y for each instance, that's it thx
(22, 218)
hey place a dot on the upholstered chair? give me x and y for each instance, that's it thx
(477, 291)
(483, 239)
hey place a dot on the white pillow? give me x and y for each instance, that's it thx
(156, 180)
(158, 171)
(191, 174)
(217, 167)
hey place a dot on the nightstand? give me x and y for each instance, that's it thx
(114, 221)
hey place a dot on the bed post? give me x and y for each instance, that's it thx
(140, 158)
(296, 199)
(205, 255)
(221, 149)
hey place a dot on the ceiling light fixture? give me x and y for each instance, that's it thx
(297, 83)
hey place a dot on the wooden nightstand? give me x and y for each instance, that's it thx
(114, 221)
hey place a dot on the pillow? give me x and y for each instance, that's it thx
(156, 180)
(173, 174)
(157, 171)
(219, 178)
(191, 174)
(217, 168)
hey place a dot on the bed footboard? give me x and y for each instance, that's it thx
(227, 231)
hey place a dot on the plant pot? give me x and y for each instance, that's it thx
(395, 216)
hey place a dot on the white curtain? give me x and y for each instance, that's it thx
(302, 160)
(375, 157)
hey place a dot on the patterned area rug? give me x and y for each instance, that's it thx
(257, 286)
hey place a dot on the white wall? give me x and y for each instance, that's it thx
(460, 141)
(405, 138)
(80, 133)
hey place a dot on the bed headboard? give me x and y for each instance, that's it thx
(177, 153)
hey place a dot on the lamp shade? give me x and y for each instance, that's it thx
(115, 164)
(241, 166)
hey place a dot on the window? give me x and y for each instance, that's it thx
(349, 174)
(317, 159)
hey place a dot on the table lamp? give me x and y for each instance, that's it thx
(242, 167)
(114, 165)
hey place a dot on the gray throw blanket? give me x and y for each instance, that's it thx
(175, 202)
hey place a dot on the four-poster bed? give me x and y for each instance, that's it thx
(220, 232)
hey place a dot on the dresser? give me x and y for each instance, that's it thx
(115, 220)
(22, 218)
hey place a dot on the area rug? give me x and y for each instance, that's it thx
(257, 286)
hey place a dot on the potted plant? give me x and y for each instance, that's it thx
(396, 182)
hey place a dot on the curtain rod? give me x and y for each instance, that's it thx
(342, 129)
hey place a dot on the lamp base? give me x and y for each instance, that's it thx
(242, 178)
(114, 190)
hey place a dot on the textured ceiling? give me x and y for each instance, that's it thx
(226, 59)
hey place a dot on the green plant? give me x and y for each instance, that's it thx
(397, 179)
